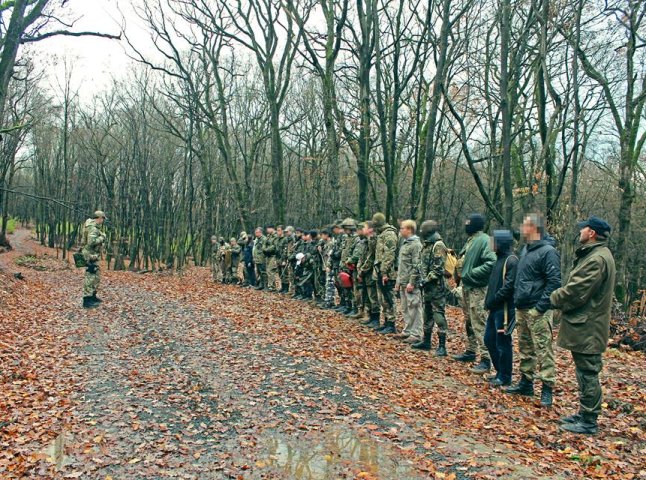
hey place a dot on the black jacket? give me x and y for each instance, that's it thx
(247, 254)
(538, 275)
(501, 291)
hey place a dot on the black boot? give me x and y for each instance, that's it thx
(425, 344)
(96, 299)
(353, 311)
(441, 348)
(89, 303)
(524, 387)
(483, 367)
(546, 396)
(285, 288)
(389, 327)
(585, 425)
(467, 356)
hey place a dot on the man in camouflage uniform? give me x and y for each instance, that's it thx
(336, 258)
(435, 287)
(259, 259)
(299, 247)
(215, 258)
(332, 267)
(284, 247)
(270, 249)
(93, 240)
(385, 269)
(225, 261)
(365, 277)
(358, 252)
(326, 244)
(235, 250)
(347, 265)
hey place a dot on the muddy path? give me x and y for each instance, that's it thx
(174, 377)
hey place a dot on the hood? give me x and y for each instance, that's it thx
(412, 238)
(503, 241)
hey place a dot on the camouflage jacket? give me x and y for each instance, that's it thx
(326, 251)
(235, 255)
(434, 255)
(271, 246)
(409, 261)
(348, 249)
(335, 253)
(386, 251)
(93, 240)
(258, 254)
(358, 250)
(285, 245)
(367, 260)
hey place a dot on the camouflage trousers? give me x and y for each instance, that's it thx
(588, 367)
(273, 279)
(357, 293)
(319, 282)
(215, 270)
(475, 318)
(91, 282)
(283, 267)
(330, 286)
(412, 311)
(435, 309)
(535, 345)
(370, 297)
(261, 275)
(387, 299)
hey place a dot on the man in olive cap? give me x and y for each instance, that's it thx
(586, 303)
(93, 240)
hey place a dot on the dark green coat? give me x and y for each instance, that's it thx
(586, 300)
(478, 261)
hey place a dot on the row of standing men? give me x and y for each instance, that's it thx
(367, 265)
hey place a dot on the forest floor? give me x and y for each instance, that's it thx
(176, 377)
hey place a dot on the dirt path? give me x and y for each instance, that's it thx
(174, 377)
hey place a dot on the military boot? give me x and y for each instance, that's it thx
(361, 314)
(373, 320)
(285, 288)
(89, 303)
(585, 425)
(441, 348)
(425, 344)
(483, 367)
(524, 387)
(571, 418)
(353, 313)
(467, 356)
(546, 396)
(389, 327)
(96, 299)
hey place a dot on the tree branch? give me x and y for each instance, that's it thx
(67, 33)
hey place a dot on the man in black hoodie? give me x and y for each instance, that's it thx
(538, 275)
(500, 303)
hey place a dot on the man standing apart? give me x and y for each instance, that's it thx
(433, 262)
(538, 275)
(408, 278)
(478, 260)
(586, 303)
(93, 240)
(385, 265)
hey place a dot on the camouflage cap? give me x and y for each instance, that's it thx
(232, 239)
(349, 223)
(99, 214)
(361, 225)
(290, 229)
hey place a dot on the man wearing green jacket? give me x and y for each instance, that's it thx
(586, 302)
(477, 262)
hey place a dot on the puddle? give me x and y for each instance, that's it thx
(329, 454)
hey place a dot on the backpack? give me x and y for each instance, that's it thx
(451, 262)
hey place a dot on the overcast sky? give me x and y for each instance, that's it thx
(95, 61)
